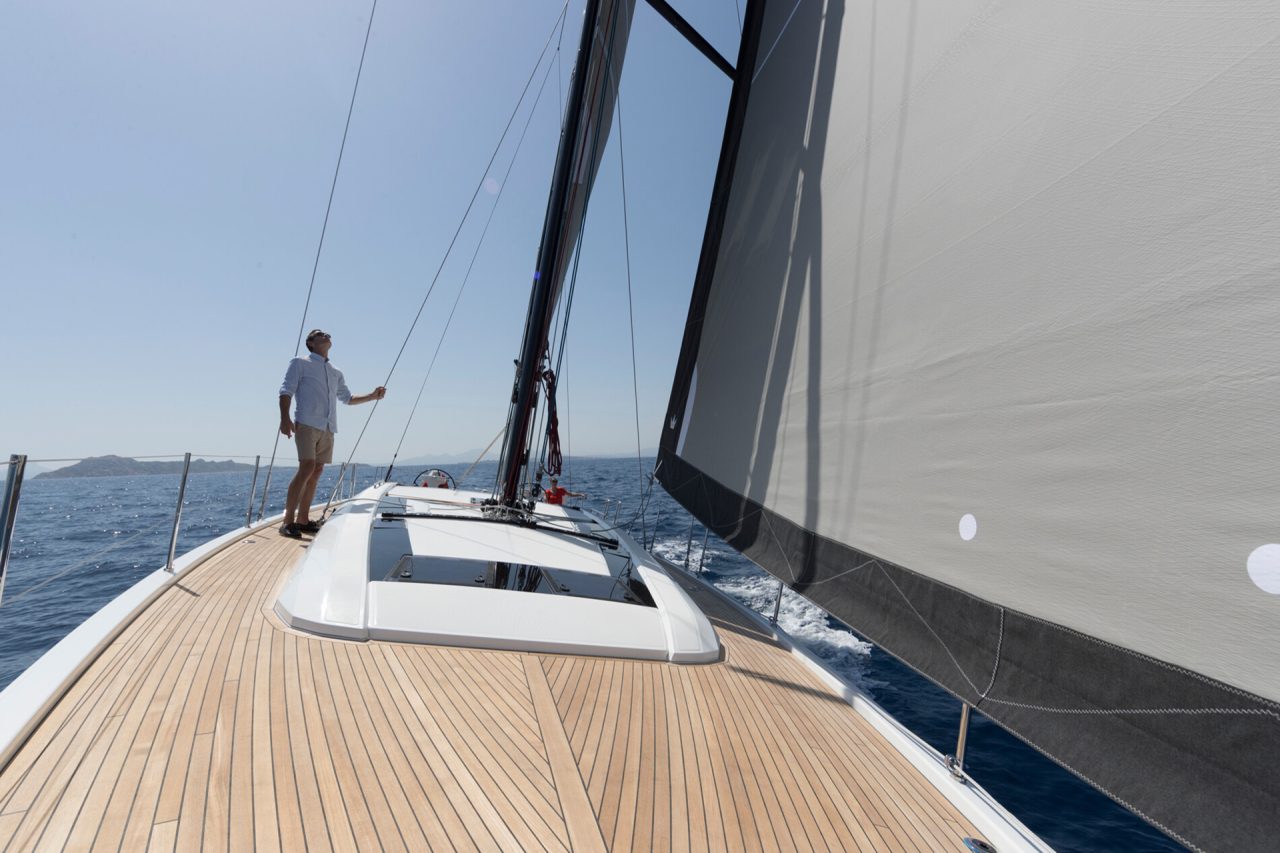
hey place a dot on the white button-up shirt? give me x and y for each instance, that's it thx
(316, 386)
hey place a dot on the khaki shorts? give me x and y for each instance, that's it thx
(313, 443)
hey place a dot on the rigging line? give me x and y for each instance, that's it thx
(560, 77)
(471, 266)
(91, 559)
(607, 51)
(156, 456)
(465, 215)
(474, 195)
(580, 239)
(782, 32)
(626, 243)
(488, 447)
(324, 227)
(333, 185)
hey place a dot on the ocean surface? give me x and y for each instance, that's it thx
(79, 542)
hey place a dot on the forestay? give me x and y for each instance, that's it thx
(982, 359)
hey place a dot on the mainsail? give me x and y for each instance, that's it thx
(982, 358)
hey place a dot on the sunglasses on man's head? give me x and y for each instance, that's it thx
(320, 336)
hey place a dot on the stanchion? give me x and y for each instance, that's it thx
(9, 512)
(248, 514)
(177, 515)
(955, 763)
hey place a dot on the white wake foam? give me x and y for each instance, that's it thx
(809, 624)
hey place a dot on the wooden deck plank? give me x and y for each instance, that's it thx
(578, 705)
(503, 728)
(419, 827)
(8, 826)
(163, 838)
(575, 806)
(628, 792)
(730, 802)
(604, 720)
(520, 815)
(702, 787)
(87, 703)
(506, 701)
(243, 734)
(646, 794)
(138, 807)
(793, 818)
(428, 720)
(354, 800)
(440, 820)
(610, 773)
(659, 829)
(384, 821)
(266, 826)
(751, 808)
(58, 804)
(883, 770)
(432, 769)
(55, 822)
(241, 818)
(284, 779)
(680, 808)
(217, 814)
(173, 787)
(121, 769)
(310, 807)
(333, 806)
(585, 710)
(86, 690)
(191, 812)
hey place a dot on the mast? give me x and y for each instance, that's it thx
(545, 283)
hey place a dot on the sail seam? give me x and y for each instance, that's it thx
(1148, 659)
(995, 669)
(932, 632)
(1252, 712)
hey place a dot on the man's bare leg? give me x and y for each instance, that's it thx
(297, 490)
(309, 492)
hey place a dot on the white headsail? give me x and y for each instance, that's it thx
(986, 363)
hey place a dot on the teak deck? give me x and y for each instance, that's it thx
(207, 724)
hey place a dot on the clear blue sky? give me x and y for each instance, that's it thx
(165, 168)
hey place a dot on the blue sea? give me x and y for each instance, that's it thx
(79, 542)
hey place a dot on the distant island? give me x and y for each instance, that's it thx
(123, 466)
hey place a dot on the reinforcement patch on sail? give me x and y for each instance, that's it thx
(984, 336)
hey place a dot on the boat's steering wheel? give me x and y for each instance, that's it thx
(435, 472)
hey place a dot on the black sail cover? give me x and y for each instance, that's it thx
(984, 358)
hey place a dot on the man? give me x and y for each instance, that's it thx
(557, 493)
(318, 386)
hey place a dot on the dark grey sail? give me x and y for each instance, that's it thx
(982, 359)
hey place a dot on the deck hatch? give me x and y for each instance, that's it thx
(517, 577)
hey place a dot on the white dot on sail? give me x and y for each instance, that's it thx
(1264, 568)
(968, 526)
(491, 186)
